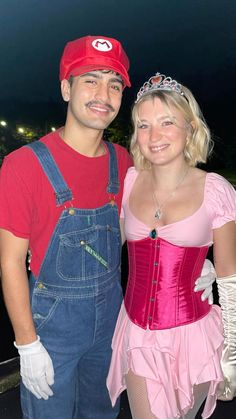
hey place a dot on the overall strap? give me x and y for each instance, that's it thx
(62, 192)
(113, 183)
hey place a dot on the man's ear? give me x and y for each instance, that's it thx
(65, 90)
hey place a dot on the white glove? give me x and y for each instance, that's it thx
(207, 278)
(36, 369)
(227, 300)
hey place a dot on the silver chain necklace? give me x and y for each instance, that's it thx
(159, 206)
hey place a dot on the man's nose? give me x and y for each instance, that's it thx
(102, 92)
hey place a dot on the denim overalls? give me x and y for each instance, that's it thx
(75, 301)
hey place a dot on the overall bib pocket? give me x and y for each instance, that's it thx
(88, 254)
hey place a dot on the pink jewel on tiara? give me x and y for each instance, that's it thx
(159, 82)
(156, 79)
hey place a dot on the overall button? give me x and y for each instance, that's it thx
(41, 286)
(71, 211)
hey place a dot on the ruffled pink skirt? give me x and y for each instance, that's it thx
(172, 361)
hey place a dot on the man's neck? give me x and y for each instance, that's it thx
(87, 142)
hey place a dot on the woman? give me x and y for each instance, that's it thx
(168, 344)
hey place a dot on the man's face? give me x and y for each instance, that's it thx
(94, 98)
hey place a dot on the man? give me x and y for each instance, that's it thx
(60, 198)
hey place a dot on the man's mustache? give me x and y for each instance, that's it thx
(96, 102)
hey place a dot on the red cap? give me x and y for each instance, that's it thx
(94, 53)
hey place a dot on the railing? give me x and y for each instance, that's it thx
(9, 374)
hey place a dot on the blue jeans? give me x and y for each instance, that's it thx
(77, 335)
(75, 303)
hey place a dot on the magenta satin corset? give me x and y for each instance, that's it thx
(162, 277)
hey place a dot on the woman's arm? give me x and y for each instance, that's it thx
(225, 264)
(225, 249)
(122, 230)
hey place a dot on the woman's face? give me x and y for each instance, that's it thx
(161, 132)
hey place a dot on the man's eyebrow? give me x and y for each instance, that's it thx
(117, 80)
(96, 75)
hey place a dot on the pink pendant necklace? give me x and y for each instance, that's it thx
(159, 205)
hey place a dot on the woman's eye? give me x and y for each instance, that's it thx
(142, 126)
(167, 123)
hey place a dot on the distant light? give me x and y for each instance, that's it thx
(3, 123)
(53, 129)
(21, 130)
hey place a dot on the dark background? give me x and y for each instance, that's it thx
(194, 41)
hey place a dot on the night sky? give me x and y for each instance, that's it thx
(194, 41)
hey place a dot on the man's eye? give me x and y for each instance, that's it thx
(116, 87)
(90, 81)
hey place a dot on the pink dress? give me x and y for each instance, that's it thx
(174, 360)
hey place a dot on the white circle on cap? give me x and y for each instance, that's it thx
(102, 45)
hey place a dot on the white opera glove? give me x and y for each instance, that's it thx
(36, 369)
(205, 281)
(227, 300)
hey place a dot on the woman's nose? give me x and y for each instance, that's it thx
(156, 133)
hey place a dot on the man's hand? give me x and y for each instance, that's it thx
(207, 278)
(36, 369)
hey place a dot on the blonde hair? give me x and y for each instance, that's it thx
(199, 144)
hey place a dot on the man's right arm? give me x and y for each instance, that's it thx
(13, 251)
(36, 366)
